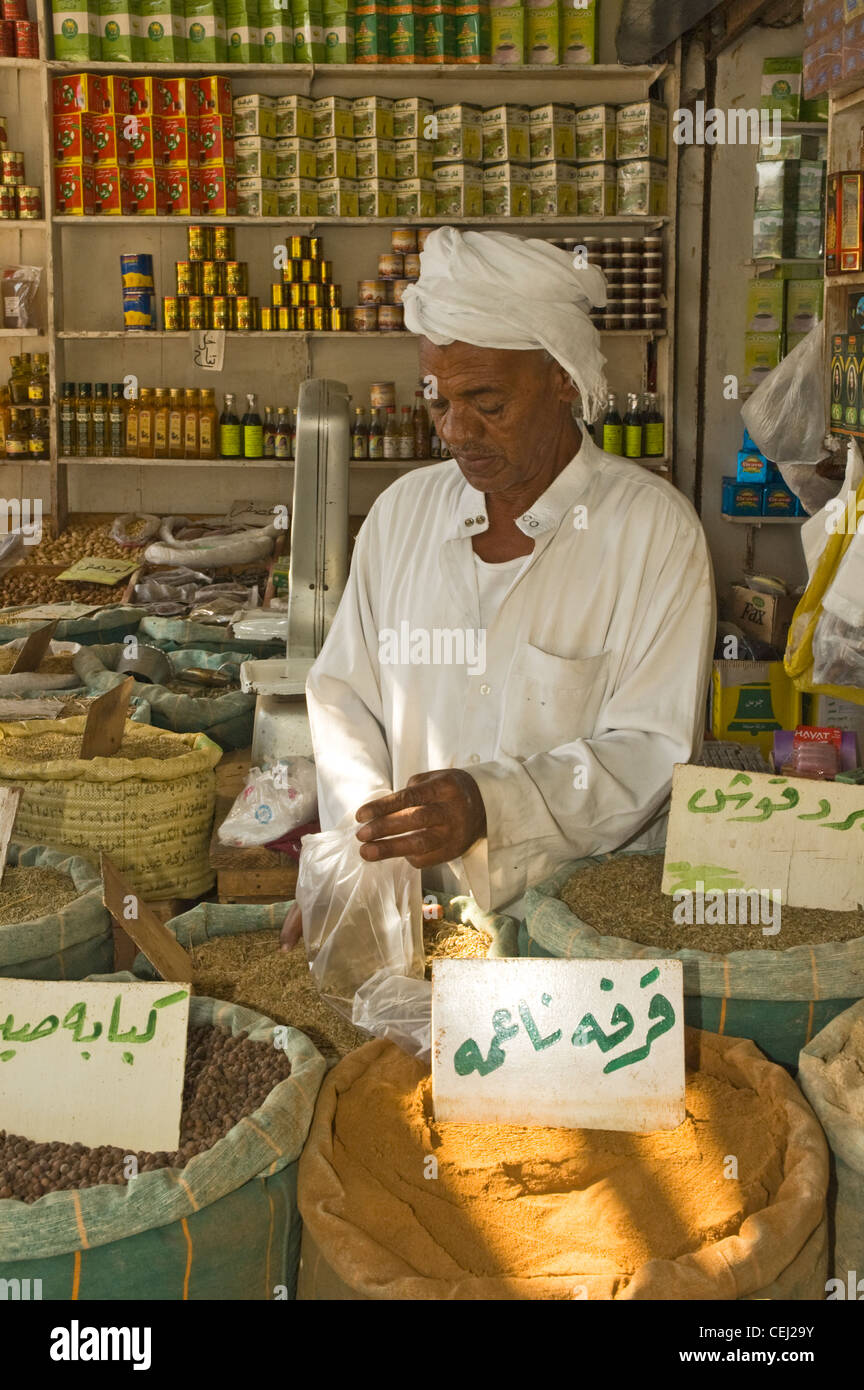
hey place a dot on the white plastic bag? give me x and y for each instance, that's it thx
(362, 928)
(273, 801)
(785, 416)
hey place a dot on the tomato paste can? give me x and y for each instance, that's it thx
(391, 265)
(423, 234)
(4, 134)
(412, 266)
(12, 165)
(382, 394)
(29, 199)
(7, 39)
(8, 203)
(26, 38)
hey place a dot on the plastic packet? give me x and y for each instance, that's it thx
(273, 801)
(20, 283)
(785, 416)
(120, 528)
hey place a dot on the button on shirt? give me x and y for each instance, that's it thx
(569, 705)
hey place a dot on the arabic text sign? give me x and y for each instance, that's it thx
(208, 349)
(93, 1063)
(572, 1044)
(753, 830)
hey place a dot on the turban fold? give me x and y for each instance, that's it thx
(495, 290)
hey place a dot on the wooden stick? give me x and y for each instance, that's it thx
(30, 656)
(141, 923)
(9, 798)
(106, 720)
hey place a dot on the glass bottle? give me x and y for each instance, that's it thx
(293, 453)
(67, 419)
(39, 444)
(269, 433)
(230, 434)
(116, 422)
(190, 424)
(17, 441)
(633, 429)
(376, 435)
(613, 427)
(420, 423)
(434, 444)
(132, 428)
(406, 434)
(253, 429)
(208, 424)
(19, 380)
(655, 428)
(37, 386)
(160, 423)
(5, 418)
(391, 434)
(146, 412)
(282, 442)
(359, 435)
(83, 421)
(176, 423)
(99, 414)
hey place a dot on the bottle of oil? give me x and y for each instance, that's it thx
(633, 429)
(208, 425)
(359, 435)
(116, 422)
(434, 443)
(253, 430)
(37, 387)
(655, 428)
(132, 428)
(5, 418)
(420, 422)
(160, 423)
(17, 440)
(269, 433)
(176, 424)
(190, 424)
(83, 421)
(613, 427)
(283, 433)
(19, 379)
(406, 434)
(67, 419)
(293, 454)
(376, 434)
(391, 434)
(99, 414)
(230, 433)
(39, 444)
(146, 411)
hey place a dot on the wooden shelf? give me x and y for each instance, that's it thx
(25, 64)
(22, 333)
(763, 520)
(388, 464)
(109, 220)
(590, 75)
(147, 335)
(23, 224)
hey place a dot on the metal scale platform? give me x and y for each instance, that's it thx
(317, 575)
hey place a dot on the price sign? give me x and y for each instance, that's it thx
(93, 569)
(208, 349)
(570, 1044)
(93, 1063)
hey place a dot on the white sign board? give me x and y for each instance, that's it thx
(571, 1044)
(738, 831)
(208, 349)
(93, 1063)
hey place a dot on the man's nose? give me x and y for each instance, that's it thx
(461, 427)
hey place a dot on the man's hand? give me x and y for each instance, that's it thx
(435, 818)
(292, 929)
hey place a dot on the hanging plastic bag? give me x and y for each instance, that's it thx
(362, 928)
(20, 283)
(785, 416)
(273, 801)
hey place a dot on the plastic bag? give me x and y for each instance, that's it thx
(273, 801)
(785, 416)
(121, 535)
(838, 642)
(362, 928)
(20, 283)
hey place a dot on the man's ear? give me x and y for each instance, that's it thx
(565, 387)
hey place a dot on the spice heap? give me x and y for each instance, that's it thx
(226, 1078)
(50, 747)
(533, 1202)
(23, 586)
(622, 897)
(845, 1073)
(250, 969)
(30, 891)
(60, 665)
(80, 538)
(453, 941)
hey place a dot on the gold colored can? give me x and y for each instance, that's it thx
(316, 295)
(12, 163)
(309, 271)
(364, 318)
(221, 307)
(172, 313)
(267, 317)
(338, 320)
(200, 243)
(321, 320)
(325, 272)
(278, 295)
(412, 266)
(390, 318)
(188, 277)
(236, 277)
(300, 247)
(403, 239)
(29, 198)
(290, 272)
(285, 318)
(196, 312)
(213, 278)
(224, 248)
(303, 320)
(316, 247)
(297, 295)
(245, 309)
(334, 295)
(8, 205)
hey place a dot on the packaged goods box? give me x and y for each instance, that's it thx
(470, 33)
(791, 185)
(298, 197)
(762, 353)
(412, 159)
(782, 81)
(415, 198)
(554, 190)
(596, 135)
(338, 37)
(579, 34)
(376, 159)
(372, 116)
(506, 191)
(597, 190)
(257, 197)
(371, 29)
(335, 159)
(460, 134)
(333, 117)
(765, 306)
(507, 36)
(413, 118)
(255, 158)
(552, 133)
(766, 616)
(337, 198)
(255, 115)
(295, 116)
(458, 190)
(295, 158)
(804, 305)
(543, 36)
(376, 198)
(642, 188)
(505, 135)
(643, 130)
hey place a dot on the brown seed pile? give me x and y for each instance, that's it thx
(60, 665)
(30, 891)
(21, 586)
(81, 538)
(226, 1078)
(622, 898)
(48, 747)
(250, 969)
(453, 941)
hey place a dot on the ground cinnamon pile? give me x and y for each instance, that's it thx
(845, 1073)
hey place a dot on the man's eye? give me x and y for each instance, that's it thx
(490, 409)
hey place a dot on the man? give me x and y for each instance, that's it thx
(522, 651)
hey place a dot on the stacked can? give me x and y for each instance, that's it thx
(634, 271)
(139, 291)
(19, 35)
(305, 299)
(17, 198)
(379, 301)
(212, 285)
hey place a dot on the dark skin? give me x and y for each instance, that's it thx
(507, 419)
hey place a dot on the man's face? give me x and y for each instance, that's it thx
(500, 413)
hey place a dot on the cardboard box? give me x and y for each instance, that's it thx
(505, 135)
(773, 236)
(298, 197)
(742, 499)
(135, 143)
(460, 134)
(333, 117)
(376, 197)
(337, 198)
(372, 116)
(766, 616)
(782, 82)
(790, 184)
(338, 38)
(210, 96)
(74, 190)
(415, 198)
(642, 187)
(371, 33)
(804, 305)
(795, 147)
(295, 116)
(554, 189)
(171, 141)
(170, 97)
(765, 306)
(837, 382)
(80, 92)
(753, 467)
(218, 192)
(138, 192)
(255, 115)
(778, 500)
(413, 159)
(215, 141)
(579, 34)
(411, 117)
(255, 158)
(507, 36)
(506, 191)
(643, 130)
(178, 192)
(597, 190)
(552, 133)
(335, 159)
(257, 197)
(762, 353)
(543, 36)
(597, 135)
(809, 229)
(73, 138)
(750, 700)
(295, 158)
(376, 159)
(458, 190)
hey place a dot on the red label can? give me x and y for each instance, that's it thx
(26, 39)
(7, 39)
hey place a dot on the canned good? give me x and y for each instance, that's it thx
(382, 394)
(12, 164)
(221, 308)
(247, 311)
(652, 243)
(403, 239)
(291, 272)
(321, 319)
(389, 292)
(15, 9)
(364, 318)
(371, 291)
(300, 247)
(189, 277)
(399, 288)
(338, 320)
(8, 202)
(139, 309)
(316, 247)
(236, 277)
(296, 295)
(136, 270)
(196, 312)
(412, 267)
(334, 296)
(325, 272)
(29, 199)
(308, 271)
(390, 318)
(631, 260)
(652, 260)
(7, 39)
(285, 318)
(303, 320)
(4, 136)
(224, 244)
(26, 39)
(612, 322)
(213, 278)
(278, 295)
(316, 295)
(200, 243)
(631, 321)
(653, 321)
(391, 265)
(267, 316)
(423, 234)
(172, 313)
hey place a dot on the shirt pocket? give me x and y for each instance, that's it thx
(551, 700)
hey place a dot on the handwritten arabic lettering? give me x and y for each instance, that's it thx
(205, 354)
(75, 1022)
(790, 798)
(469, 1057)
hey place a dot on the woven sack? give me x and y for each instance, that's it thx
(65, 945)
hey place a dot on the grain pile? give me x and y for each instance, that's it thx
(82, 538)
(622, 897)
(845, 1073)
(49, 747)
(21, 586)
(453, 941)
(27, 892)
(226, 1078)
(59, 665)
(534, 1202)
(250, 969)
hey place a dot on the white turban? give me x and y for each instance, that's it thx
(497, 291)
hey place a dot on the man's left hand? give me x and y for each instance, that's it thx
(435, 818)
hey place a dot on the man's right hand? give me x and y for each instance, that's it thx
(292, 929)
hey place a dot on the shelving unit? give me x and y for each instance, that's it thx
(80, 302)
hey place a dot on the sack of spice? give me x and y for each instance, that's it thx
(831, 1075)
(53, 925)
(217, 1220)
(776, 989)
